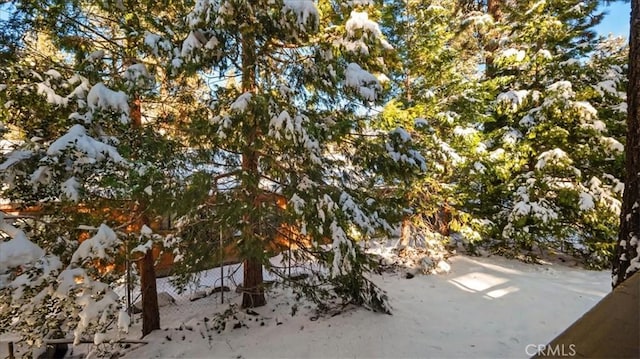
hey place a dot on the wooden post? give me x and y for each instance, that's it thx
(221, 269)
(129, 282)
(611, 329)
(289, 257)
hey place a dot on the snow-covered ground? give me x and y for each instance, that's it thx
(483, 308)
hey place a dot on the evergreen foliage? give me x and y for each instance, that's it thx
(79, 162)
(288, 155)
(295, 127)
(442, 102)
(553, 154)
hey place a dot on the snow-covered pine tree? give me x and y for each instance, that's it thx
(439, 102)
(58, 293)
(291, 155)
(74, 153)
(553, 156)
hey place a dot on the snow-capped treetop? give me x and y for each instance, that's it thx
(78, 138)
(137, 75)
(241, 103)
(14, 157)
(97, 246)
(553, 156)
(71, 189)
(191, 43)
(101, 97)
(361, 32)
(515, 98)
(306, 13)
(18, 250)
(515, 55)
(51, 95)
(362, 81)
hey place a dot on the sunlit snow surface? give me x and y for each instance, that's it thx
(484, 308)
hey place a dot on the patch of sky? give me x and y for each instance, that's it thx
(616, 20)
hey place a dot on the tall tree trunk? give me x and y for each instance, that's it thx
(405, 233)
(408, 37)
(626, 260)
(253, 289)
(150, 310)
(150, 313)
(493, 9)
(444, 219)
